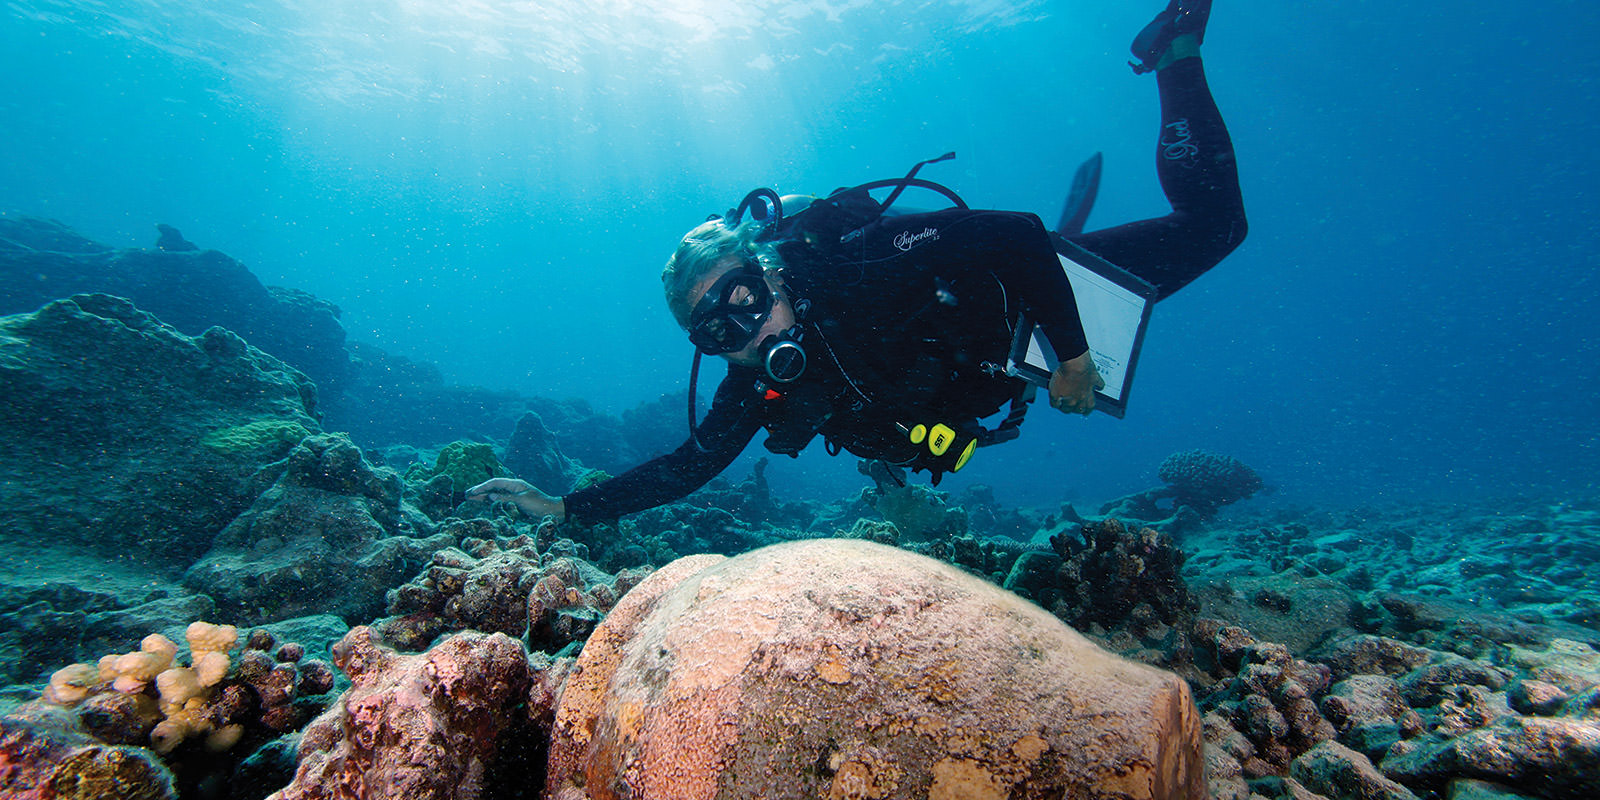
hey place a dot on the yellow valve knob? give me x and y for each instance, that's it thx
(940, 438)
(965, 455)
(918, 433)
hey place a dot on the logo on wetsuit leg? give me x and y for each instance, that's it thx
(1177, 144)
(907, 240)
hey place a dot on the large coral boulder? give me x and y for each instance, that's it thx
(843, 668)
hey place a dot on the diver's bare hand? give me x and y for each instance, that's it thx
(522, 493)
(1073, 383)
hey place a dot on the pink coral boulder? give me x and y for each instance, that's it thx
(417, 727)
(846, 669)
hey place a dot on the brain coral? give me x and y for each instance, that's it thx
(843, 668)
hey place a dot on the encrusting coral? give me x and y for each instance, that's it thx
(467, 464)
(263, 434)
(45, 755)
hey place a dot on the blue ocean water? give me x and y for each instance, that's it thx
(494, 186)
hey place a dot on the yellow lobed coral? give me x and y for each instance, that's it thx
(178, 685)
(71, 684)
(184, 691)
(204, 636)
(211, 666)
(159, 646)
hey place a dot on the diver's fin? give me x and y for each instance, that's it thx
(1085, 185)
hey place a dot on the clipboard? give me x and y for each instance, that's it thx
(1114, 305)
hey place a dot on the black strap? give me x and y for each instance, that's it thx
(910, 176)
(1010, 427)
(900, 185)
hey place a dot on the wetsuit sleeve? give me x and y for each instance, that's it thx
(1033, 270)
(1016, 247)
(730, 425)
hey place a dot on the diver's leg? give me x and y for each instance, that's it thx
(1195, 162)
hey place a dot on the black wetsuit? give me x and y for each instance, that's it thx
(906, 322)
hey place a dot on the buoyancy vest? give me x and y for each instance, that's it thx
(908, 348)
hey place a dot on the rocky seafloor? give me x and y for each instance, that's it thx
(237, 563)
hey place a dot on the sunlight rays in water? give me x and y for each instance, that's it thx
(342, 52)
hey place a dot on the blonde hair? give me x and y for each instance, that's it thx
(703, 252)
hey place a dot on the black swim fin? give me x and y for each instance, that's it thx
(1085, 186)
(1179, 17)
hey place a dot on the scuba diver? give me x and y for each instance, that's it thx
(885, 332)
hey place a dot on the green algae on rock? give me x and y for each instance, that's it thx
(467, 463)
(263, 434)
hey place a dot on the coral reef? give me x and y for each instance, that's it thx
(721, 517)
(71, 618)
(268, 435)
(415, 726)
(1336, 771)
(752, 501)
(1401, 722)
(147, 697)
(1443, 577)
(1120, 579)
(920, 512)
(683, 528)
(987, 558)
(93, 389)
(535, 456)
(1377, 651)
(45, 755)
(190, 290)
(1269, 696)
(392, 400)
(845, 668)
(467, 464)
(990, 519)
(1197, 484)
(331, 534)
(497, 582)
(1206, 481)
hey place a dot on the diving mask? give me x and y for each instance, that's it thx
(732, 311)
